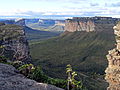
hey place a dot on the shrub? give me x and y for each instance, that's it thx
(17, 63)
(39, 76)
(72, 83)
(26, 69)
(3, 59)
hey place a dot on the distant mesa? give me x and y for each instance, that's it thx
(19, 21)
(51, 22)
(89, 23)
(60, 22)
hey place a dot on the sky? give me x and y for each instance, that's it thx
(58, 8)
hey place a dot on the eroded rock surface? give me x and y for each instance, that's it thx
(16, 47)
(89, 24)
(10, 79)
(113, 70)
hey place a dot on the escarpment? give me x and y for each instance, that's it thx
(14, 47)
(113, 69)
(90, 24)
(13, 39)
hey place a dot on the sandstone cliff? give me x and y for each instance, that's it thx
(89, 23)
(13, 38)
(113, 70)
(10, 79)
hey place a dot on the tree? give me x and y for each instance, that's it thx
(72, 83)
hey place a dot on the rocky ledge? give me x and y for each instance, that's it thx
(10, 79)
(113, 70)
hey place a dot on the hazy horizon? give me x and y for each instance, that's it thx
(59, 9)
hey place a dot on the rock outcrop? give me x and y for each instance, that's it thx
(113, 69)
(19, 21)
(73, 25)
(13, 38)
(89, 23)
(10, 79)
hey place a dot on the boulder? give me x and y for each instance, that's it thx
(10, 79)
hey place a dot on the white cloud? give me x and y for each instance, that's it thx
(66, 8)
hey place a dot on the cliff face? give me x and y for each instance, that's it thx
(72, 26)
(113, 70)
(15, 47)
(89, 23)
(12, 37)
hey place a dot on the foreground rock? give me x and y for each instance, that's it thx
(113, 70)
(10, 79)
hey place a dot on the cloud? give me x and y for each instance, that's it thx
(66, 8)
(116, 4)
(94, 4)
(65, 1)
(112, 4)
(70, 12)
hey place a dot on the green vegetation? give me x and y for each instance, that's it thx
(38, 26)
(85, 51)
(35, 35)
(36, 73)
(6, 32)
(73, 84)
(3, 59)
(46, 27)
(39, 76)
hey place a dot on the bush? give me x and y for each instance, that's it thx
(39, 76)
(3, 59)
(17, 63)
(26, 69)
(72, 83)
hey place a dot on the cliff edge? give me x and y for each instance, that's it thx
(16, 47)
(113, 69)
(90, 24)
(10, 79)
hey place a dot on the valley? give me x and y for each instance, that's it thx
(85, 51)
(83, 44)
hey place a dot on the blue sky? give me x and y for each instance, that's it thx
(59, 8)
